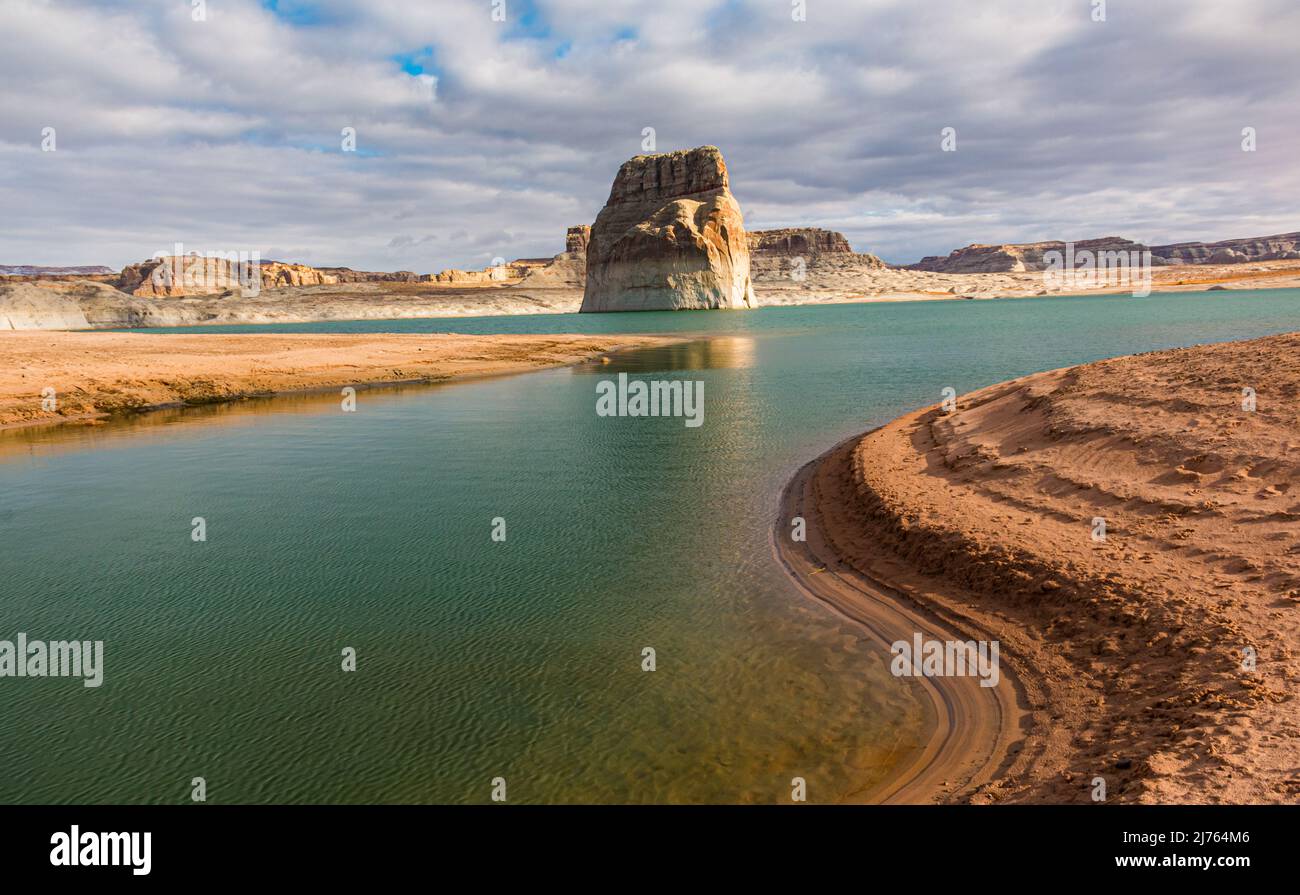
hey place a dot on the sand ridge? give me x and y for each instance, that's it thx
(1134, 651)
(975, 729)
(97, 374)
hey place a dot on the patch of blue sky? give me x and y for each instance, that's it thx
(524, 20)
(295, 12)
(418, 62)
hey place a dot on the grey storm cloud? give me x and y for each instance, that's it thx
(478, 139)
(406, 242)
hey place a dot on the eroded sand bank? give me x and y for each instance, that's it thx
(95, 374)
(1161, 658)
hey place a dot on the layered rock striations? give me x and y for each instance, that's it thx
(503, 274)
(1019, 257)
(670, 237)
(177, 276)
(28, 306)
(567, 270)
(1028, 256)
(348, 275)
(805, 256)
(577, 239)
(793, 241)
(1282, 247)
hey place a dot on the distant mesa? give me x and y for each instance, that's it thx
(29, 270)
(1283, 247)
(196, 275)
(498, 273)
(1016, 257)
(348, 275)
(670, 237)
(176, 276)
(804, 255)
(796, 241)
(563, 271)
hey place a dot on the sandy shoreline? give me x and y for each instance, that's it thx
(975, 728)
(95, 375)
(1128, 656)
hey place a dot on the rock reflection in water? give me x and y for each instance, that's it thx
(721, 353)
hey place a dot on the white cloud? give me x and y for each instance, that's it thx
(226, 133)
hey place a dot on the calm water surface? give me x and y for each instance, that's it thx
(479, 659)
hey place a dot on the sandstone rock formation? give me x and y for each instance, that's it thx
(794, 241)
(1018, 257)
(28, 306)
(87, 304)
(567, 270)
(488, 276)
(32, 270)
(177, 276)
(277, 274)
(670, 237)
(348, 275)
(1015, 257)
(1283, 247)
(805, 256)
(82, 304)
(577, 239)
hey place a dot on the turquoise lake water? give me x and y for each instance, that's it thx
(479, 659)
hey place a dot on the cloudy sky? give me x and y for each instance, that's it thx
(478, 138)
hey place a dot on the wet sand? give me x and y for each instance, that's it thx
(94, 375)
(1161, 658)
(975, 727)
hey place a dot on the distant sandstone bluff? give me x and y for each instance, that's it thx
(802, 255)
(1028, 256)
(176, 276)
(30, 270)
(181, 276)
(670, 237)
